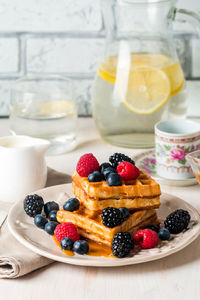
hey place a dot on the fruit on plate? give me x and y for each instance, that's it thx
(96, 176)
(71, 205)
(152, 227)
(40, 221)
(49, 206)
(52, 215)
(112, 217)
(116, 158)
(50, 227)
(122, 244)
(66, 243)
(114, 179)
(127, 171)
(164, 234)
(33, 205)
(87, 164)
(81, 247)
(177, 221)
(66, 229)
(146, 238)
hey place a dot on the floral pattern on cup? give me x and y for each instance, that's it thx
(178, 154)
(172, 146)
(175, 153)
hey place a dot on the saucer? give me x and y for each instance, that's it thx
(147, 161)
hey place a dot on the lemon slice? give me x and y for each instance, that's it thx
(58, 107)
(175, 74)
(147, 89)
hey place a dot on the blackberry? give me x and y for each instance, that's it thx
(112, 217)
(177, 221)
(33, 205)
(116, 158)
(122, 244)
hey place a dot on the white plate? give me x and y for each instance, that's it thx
(37, 240)
(147, 161)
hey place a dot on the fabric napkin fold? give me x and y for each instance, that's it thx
(15, 259)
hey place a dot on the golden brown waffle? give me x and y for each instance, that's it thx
(99, 204)
(92, 227)
(142, 193)
(143, 186)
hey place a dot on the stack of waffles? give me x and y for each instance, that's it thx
(140, 196)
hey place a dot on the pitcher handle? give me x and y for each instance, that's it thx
(190, 16)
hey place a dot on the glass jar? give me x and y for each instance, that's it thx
(139, 81)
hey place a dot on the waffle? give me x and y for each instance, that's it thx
(91, 227)
(142, 193)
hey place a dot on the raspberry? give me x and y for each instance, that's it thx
(66, 230)
(87, 164)
(127, 171)
(146, 238)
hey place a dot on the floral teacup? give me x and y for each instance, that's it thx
(174, 139)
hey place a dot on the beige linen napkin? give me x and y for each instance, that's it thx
(15, 259)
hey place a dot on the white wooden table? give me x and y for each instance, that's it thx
(174, 277)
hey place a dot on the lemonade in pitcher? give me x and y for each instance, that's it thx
(139, 81)
(131, 95)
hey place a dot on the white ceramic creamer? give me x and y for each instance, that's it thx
(22, 166)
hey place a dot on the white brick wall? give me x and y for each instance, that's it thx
(49, 15)
(59, 36)
(63, 55)
(9, 55)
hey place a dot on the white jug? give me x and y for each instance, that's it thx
(22, 166)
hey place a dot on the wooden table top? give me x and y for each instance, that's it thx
(173, 277)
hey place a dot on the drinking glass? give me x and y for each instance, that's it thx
(44, 107)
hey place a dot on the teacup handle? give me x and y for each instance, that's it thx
(184, 15)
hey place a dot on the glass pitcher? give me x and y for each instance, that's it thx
(139, 81)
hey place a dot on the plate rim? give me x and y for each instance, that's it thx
(102, 262)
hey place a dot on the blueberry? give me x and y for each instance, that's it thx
(40, 221)
(95, 177)
(114, 179)
(72, 204)
(107, 171)
(49, 206)
(125, 212)
(50, 227)
(66, 243)
(81, 247)
(52, 215)
(104, 166)
(152, 227)
(164, 234)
